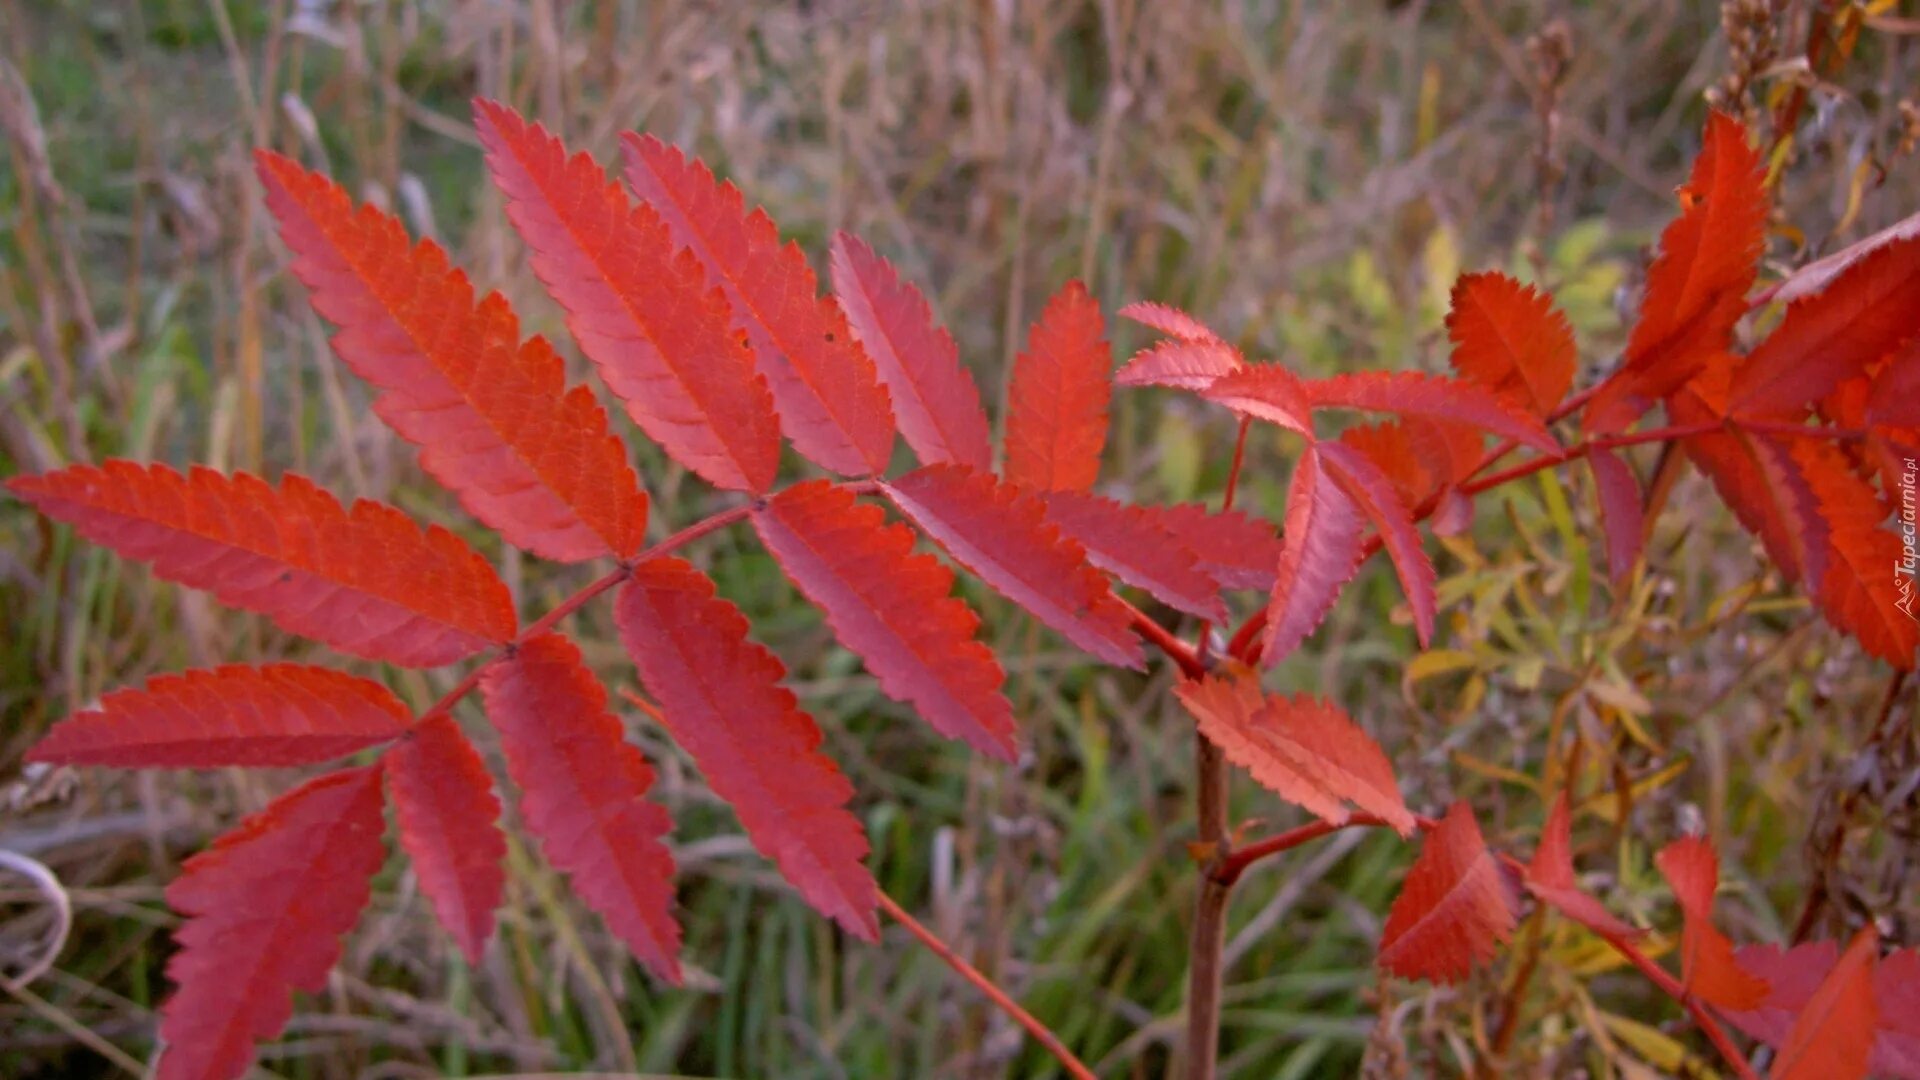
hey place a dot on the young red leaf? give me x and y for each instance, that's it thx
(267, 716)
(1374, 494)
(1183, 365)
(1793, 977)
(934, 396)
(1432, 397)
(1833, 1036)
(444, 802)
(1509, 338)
(1622, 514)
(1237, 551)
(1855, 591)
(1265, 392)
(582, 794)
(720, 696)
(640, 311)
(493, 417)
(1057, 403)
(831, 402)
(893, 608)
(266, 906)
(1708, 968)
(1453, 908)
(1550, 878)
(1320, 551)
(364, 580)
(1697, 286)
(1128, 542)
(1170, 321)
(1307, 752)
(1001, 534)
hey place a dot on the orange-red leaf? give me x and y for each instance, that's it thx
(1265, 392)
(1373, 492)
(1859, 589)
(893, 608)
(1057, 403)
(1828, 337)
(1001, 534)
(1550, 878)
(1761, 482)
(1170, 321)
(640, 310)
(1509, 338)
(1128, 542)
(266, 906)
(934, 396)
(1708, 969)
(1697, 286)
(1238, 551)
(1833, 1037)
(1454, 907)
(1817, 276)
(583, 794)
(720, 696)
(364, 580)
(1794, 975)
(493, 417)
(1307, 752)
(831, 402)
(1183, 365)
(1415, 393)
(1320, 551)
(1622, 511)
(444, 802)
(272, 715)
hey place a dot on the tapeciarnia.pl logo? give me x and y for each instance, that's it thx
(1903, 571)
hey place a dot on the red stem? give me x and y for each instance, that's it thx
(1040, 1032)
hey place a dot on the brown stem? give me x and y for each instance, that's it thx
(1207, 952)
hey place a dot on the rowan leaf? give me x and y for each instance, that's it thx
(1761, 482)
(1794, 975)
(720, 697)
(1431, 397)
(831, 403)
(1855, 591)
(1000, 533)
(1374, 494)
(1421, 458)
(1622, 512)
(448, 815)
(1182, 365)
(1708, 968)
(1057, 401)
(1306, 751)
(1817, 276)
(893, 608)
(265, 908)
(1893, 395)
(1237, 551)
(582, 794)
(364, 580)
(493, 417)
(1453, 908)
(1509, 338)
(269, 716)
(934, 397)
(1320, 552)
(1550, 878)
(1130, 543)
(1834, 1035)
(1170, 321)
(641, 311)
(1265, 392)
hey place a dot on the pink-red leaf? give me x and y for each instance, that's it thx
(1001, 534)
(1170, 321)
(893, 608)
(1057, 403)
(641, 311)
(1794, 975)
(1128, 542)
(1708, 969)
(366, 580)
(1509, 338)
(1833, 1036)
(1432, 397)
(831, 402)
(582, 794)
(1265, 392)
(1373, 492)
(720, 696)
(1238, 551)
(1453, 909)
(934, 396)
(444, 802)
(266, 906)
(1622, 513)
(493, 417)
(1183, 365)
(1815, 277)
(1307, 752)
(1826, 338)
(1550, 878)
(273, 715)
(1320, 551)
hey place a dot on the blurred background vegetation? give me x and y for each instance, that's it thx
(1310, 177)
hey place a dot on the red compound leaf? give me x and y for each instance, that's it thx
(1430, 397)
(1182, 365)
(268, 716)
(640, 311)
(1057, 403)
(1001, 534)
(1509, 338)
(493, 417)
(265, 909)
(1550, 878)
(1622, 511)
(1170, 321)
(1708, 968)
(1373, 492)
(1129, 543)
(1265, 392)
(934, 396)
(1320, 551)
(1453, 909)
(1855, 591)
(448, 815)
(893, 609)
(1238, 551)
(720, 696)
(366, 580)
(1833, 1037)
(582, 794)
(831, 402)
(1794, 976)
